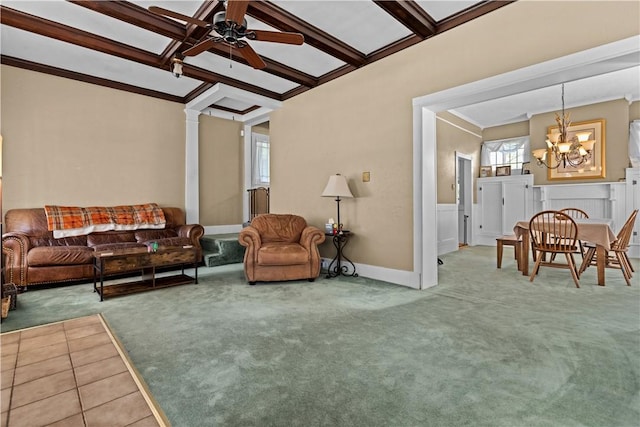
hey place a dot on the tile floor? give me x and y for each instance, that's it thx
(70, 374)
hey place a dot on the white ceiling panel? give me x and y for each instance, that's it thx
(600, 88)
(87, 20)
(305, 58)
(186, 7)
(43, 50)
(443, 9)
(361, 24)
(244, 73)
(234, 104)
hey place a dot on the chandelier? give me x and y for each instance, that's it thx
(564, 149)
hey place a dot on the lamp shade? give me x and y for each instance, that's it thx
(337, 187)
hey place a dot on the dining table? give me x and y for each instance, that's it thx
(593, 230)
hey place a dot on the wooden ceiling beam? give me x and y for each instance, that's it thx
(411, 15)
(59, 72)
(194, 32)
(470, 13)
(273, 67)
(136, 15)
(279, 18)
(233, 110)
(209, 77)
(55, 30)
(197, 92)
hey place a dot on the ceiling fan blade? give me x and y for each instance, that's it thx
(236, 10)
(252, 57)
(166, 12)
(199, 48)
(274, 36)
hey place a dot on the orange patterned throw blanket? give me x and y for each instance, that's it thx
(67, 221)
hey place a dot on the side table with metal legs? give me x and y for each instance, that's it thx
(338, 266)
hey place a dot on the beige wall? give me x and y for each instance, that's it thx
(363, 121)
(72, 143)
(221, 171)
(68, 142)
(616, 116)
(262, 128)
(634, 111)
(454, 135)
(511, 130)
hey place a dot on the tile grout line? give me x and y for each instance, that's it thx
(75, 378)
(13, 378)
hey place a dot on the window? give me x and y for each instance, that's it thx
(260, 174)
(512, 152)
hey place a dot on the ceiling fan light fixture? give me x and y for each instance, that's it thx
(176, 67)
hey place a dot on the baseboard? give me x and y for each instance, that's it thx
(222, 229)
(409, 279)
(634, 250)
(486, 240)
(446, 246)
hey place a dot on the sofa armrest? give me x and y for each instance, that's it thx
(311, 236)
(14, 248)
(192, 231)
(250, 238)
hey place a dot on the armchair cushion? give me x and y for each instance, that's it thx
(282, 254)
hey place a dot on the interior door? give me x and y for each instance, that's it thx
(490, 205)
(515, 204)
(464, 197)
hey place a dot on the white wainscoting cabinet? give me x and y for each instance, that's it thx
(502, 201)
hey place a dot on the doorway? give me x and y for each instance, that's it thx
(464, 192)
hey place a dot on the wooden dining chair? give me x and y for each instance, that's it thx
(576, 213)
(617, 257)
(555, 233)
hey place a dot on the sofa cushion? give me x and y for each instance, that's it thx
(282, 254)
(173, 241)
(110, 237)
(59, 255)
(49, 240)
(155, 235)
(117, 246)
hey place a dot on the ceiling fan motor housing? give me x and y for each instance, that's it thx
(230, 31)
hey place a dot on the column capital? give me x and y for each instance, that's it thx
(192, 115)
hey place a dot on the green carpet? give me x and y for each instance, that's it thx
(484, 348)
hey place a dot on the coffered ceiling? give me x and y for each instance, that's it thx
(122, 44)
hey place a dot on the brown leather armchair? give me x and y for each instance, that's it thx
(280, 247)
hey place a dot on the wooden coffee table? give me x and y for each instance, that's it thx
(130, 260)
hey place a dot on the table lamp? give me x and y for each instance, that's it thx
(337, 187)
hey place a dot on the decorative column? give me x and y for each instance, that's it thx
(191, 182)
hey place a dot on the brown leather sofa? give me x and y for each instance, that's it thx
(33, 256)
(280, 247)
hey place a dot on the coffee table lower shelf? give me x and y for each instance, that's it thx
(137, 286)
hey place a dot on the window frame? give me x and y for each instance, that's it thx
(489, 148)
(257, 173)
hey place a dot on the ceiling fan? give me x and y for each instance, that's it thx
(231, 27)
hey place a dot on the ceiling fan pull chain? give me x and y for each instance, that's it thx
(230, 56)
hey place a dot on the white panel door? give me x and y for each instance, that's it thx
(515, 200)
(490, 203)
